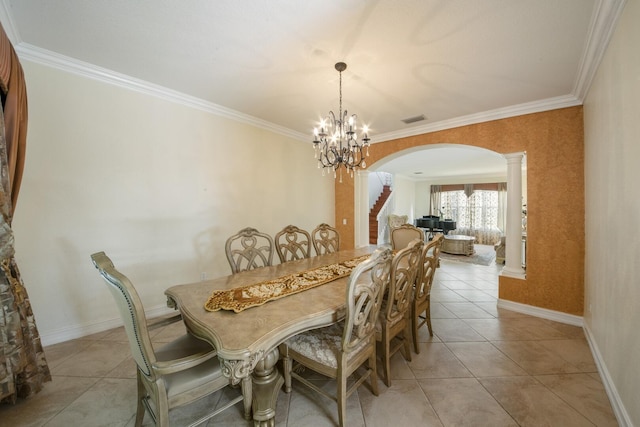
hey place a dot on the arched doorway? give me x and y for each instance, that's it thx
(554, 145)
(439, 164)
(417, 168)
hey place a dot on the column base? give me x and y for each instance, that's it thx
(516, 273)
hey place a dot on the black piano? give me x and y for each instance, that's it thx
(432, 224)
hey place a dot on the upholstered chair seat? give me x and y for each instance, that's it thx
(322, 345)
(339, 350)
(200, 376)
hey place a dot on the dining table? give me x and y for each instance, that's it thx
(247, 341)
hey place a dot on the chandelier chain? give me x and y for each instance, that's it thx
(340, 116)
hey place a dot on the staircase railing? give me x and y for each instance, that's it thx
(376, 185)
(383, 221)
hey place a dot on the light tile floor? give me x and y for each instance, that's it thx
(484, 366)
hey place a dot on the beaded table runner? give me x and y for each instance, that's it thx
(256, 294)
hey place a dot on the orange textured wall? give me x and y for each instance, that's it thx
(554, 143)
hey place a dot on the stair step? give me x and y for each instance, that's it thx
(373, 214)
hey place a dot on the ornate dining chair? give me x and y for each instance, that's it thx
(393, 329)
(293, 243)
(326, 239)
(337, 351)
(402, 235)
(437, 247)
(421, 302)
(249, 249)
(396, 220)
(175, 374)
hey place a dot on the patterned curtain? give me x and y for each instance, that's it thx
(23, 368)
(476, 215)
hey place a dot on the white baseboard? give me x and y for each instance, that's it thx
(619, 410)
(624, 420)
(556, 316)
(79, 331)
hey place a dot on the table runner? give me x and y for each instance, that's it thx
(256, 294)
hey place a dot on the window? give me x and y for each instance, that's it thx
(476, 215)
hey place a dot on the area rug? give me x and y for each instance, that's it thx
(485, 255)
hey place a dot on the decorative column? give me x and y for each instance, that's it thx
(513, 253)
(361, 220)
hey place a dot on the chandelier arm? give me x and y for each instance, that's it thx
(336, 142)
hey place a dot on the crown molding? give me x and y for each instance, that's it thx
(499, 113)
(54, 60)
(8, 23)
(603, 24)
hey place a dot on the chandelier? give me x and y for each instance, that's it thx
(336, 141)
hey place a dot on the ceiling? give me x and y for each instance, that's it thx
(446, 164)
(271, 62)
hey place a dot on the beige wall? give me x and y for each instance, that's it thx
(404, 194)
(157, 185)
(553, 141)
(423, 198)
(612, 165)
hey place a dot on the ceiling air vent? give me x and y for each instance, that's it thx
(414, 119)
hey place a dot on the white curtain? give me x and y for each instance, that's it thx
(476, 215)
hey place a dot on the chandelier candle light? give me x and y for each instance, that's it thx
(336, 141)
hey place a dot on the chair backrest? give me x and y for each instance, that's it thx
(365, 291)
(293, 243)
(426, 271)
(401, 236)
(436, 244)
(249, 249)
(131, 311)
(397, 220)
(404, 268)
(326, 239)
